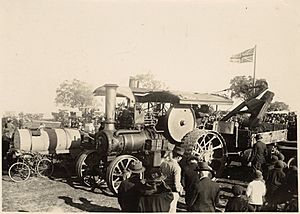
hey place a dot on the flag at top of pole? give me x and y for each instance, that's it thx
(245, 56)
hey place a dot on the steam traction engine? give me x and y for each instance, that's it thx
(161, 120)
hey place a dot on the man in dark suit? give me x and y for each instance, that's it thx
(189, 176)
(259, 152)
(204, 195)
(129, 190)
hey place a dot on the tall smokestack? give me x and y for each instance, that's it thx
(110, 106)
(133, 82)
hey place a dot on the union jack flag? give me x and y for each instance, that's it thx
(245, 56)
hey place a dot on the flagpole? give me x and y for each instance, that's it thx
(254, 66)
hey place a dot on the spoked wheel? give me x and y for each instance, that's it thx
(19, 172)
(88, 168)
(115, 170)
(292, 162)
(45, 167)
(208, 146)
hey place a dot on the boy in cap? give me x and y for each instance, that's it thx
(129, 190)
(237, 203)
(156, 196)
(204, 195)
(171, 169)
(256, 191)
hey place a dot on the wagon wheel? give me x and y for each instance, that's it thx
(115, 170)
(292, 162)
(208, 146)
(89, 168)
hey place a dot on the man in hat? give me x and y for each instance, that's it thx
(189, 175)
(172, 170)
(204, 195)
(256, 191)
(237, 203)
(6, 142)
(10, 127)
(156, 196)
(129, 190)
(259, 152)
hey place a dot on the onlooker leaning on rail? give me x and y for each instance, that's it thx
(204, 195)
(172, 170)
(129, 190)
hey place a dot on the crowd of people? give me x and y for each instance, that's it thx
(273, 187)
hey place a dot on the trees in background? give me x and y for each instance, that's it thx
(74, 94)
(242, 86)
(278, 106)
(147, 80)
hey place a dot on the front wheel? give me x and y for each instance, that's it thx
(89, 167)
(115, 171)
(45, 168)
(208, 146)
(19, 172)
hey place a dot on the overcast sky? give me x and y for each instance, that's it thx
(186, 44)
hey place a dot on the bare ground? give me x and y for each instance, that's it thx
(46, 195)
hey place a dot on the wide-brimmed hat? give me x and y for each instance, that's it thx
(178, 150)
(155, 175)
(258, 175)
(237, 190)
(203, 166)
(136, 167)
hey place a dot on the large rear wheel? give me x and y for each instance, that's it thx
(88, 168)
(208, 146)
(115, 170)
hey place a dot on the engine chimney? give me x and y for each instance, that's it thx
(110, 106)
(133, 82)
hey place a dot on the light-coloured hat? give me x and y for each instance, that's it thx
(136, 167)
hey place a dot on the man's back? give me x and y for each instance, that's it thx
(172, 170)
(128, 194)
(204, 196)
(237, 204)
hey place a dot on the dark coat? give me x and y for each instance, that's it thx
(129, 193)
(6, 141)
(275, 180)
(204, 196)
(189, 178)
(259, 153)
(155, 198)
(238, 204)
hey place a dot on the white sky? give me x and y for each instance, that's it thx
(186, 44)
